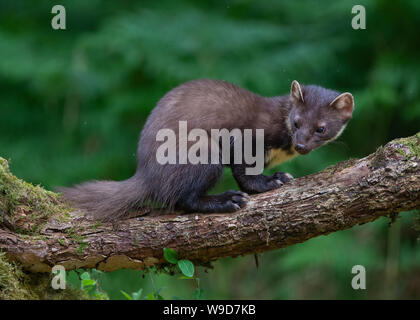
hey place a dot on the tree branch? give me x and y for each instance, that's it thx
(39, 231)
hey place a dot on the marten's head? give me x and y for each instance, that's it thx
(317, 115)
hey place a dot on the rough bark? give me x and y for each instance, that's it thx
(340, 197)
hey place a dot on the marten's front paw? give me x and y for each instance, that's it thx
(271, 182)
(277, 180)
(232, 200)
(283, 176)
(261, 183)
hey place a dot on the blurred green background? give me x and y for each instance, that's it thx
(72, 104)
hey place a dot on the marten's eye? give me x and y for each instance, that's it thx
(320, 130)
(296, 124)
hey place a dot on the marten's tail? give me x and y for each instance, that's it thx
(107, 200)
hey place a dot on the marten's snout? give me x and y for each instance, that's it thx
(301, 148)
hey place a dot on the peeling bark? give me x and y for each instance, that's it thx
(340, 197)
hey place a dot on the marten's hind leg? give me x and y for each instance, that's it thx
(194, 199)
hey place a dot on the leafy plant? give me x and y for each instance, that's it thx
(186, 267)
(170, 255)
(88, 282)
(137, 295)
(134, 295)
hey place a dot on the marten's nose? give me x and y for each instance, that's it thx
(302, 149)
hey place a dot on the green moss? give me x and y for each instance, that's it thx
(96, 225)
(77, 238)
(25, 206)
(15, 284)
(82, 246)
(413, 145)
(12, 286)
(401, 152)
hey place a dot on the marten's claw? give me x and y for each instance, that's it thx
(283, 176)
(235, 200)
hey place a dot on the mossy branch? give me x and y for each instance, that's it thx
(38, 230)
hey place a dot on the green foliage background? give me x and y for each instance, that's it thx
(73, 103)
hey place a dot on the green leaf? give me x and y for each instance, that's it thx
(151, 296)
(170, 255)
(126, 295)
(137, 295)
(185, 278)
(73, 279)
(88, 282)
(85, 276)
(186, 267)
(96, 272)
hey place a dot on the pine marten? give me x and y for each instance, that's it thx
(293, 124)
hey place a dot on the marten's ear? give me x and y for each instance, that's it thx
(344, 103)
(296, 91)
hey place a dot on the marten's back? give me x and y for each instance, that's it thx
(206, 104)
